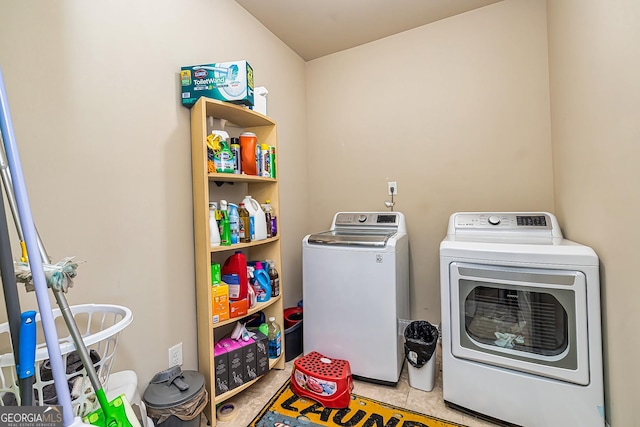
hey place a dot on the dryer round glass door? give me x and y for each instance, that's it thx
(530, 320)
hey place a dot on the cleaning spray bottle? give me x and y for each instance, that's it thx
(225, 224)
(214, 231)
(223, 157)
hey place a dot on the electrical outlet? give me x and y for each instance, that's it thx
(394, 185)
(175, 355)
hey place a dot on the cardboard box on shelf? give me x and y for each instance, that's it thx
(262, 351)
(221, 359)
(225, 81)
(220, 302)
(249, 359)
(236, 365)
(238, 308)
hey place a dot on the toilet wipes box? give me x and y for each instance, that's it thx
(225, 81)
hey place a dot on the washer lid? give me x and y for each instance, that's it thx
(172, 387)
(346, 237)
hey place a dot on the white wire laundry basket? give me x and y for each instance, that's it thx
(100, 326)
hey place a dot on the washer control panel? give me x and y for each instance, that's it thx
(354, 219)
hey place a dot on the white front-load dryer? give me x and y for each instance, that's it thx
(355, 283)
(521, 333)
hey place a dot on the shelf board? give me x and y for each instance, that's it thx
(224, 396)
(234, 113)
(232, 177)
(238, 246)
(258, 307)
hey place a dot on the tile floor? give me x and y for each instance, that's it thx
(253, 399)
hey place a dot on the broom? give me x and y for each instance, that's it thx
(114, 414)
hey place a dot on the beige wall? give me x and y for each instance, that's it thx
(457, 112)
(105, 145)
(595, 102)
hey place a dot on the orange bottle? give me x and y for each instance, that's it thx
(248, 147)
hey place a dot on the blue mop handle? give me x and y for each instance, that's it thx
(35, 261)
(27, 364)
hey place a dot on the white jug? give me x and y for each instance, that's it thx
(259, 218)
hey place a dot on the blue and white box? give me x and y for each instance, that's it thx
(225, 81)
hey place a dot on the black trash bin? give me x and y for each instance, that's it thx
(176, 398)
(420, 340)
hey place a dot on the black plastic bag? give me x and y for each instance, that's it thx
(420, 339)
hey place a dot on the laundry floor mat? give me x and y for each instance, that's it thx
(286, 409)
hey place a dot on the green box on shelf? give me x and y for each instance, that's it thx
(224, 81)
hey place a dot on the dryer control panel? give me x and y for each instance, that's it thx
(505, 222)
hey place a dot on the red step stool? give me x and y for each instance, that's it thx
(325, 380)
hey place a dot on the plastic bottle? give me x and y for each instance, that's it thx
(274, 278)
(223, 160)
(265, 164)
(248, 144)
(267, 216)
(235, 271)
(225, 224)
(214, 232)
(259, 220)
(272, 161)
(258, 160)
(244, 225)
(262, 284)
(234, 145)
(223, 156)
(275, 338)
(274, 221)
(234, 220)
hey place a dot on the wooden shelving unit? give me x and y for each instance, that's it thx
(205, 187)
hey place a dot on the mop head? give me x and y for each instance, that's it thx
(120, 412)
(59, 276)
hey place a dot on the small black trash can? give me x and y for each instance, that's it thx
(420, 340)
(293, 340)
(176, 398)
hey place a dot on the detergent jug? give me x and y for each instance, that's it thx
(262, 283)
(259, 219)
(235, 270)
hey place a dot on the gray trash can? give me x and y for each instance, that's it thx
(176, 398)
(421, 338)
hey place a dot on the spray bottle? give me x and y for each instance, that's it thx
(222, 155)
(225, 225)
(214, 232)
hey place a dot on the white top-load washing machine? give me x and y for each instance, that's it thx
(355, 285)
(521, 333)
